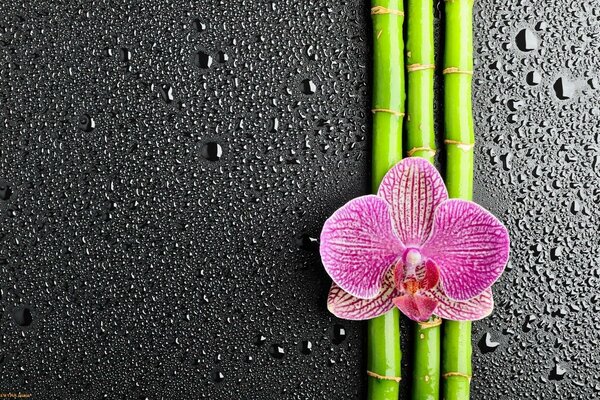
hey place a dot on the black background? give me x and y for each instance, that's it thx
(166, 167)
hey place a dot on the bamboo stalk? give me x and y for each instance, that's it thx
(388, 112)
(421, 143)
(459, 139)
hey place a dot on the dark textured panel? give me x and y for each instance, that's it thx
(167, 165)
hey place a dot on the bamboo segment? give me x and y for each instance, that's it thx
(421, 143)
(420, 67)
(459, 141)
(388, 112)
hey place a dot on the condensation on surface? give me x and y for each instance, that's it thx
(166, 167)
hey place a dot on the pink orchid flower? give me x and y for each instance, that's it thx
(412, 247)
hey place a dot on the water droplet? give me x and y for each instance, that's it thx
(202, 60)
(218, 376)
(564, 89)
(86, 123)
(534, 78)
(486, 344)
(339, 334)
(526, 40)
(212, 151)
(308, 87)
(198, 26)
(166, 93)
(22, 316)
(276, 351)
(124, 55)
(306, 347)
(5, 190)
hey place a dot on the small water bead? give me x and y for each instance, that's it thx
(308, 87)
(222, 57)
(526, 40)
(5, 190)
(276, 351)
(339, 334)
(166, 93)
(486, 344)
(202, 60)
(558, 373)
(218, 376)
(259, 340)
(212, 151)
(198, 25)
(124, 55)
(306, 242)
(534, 78)
(86, 123)
(22, 316)
(564, 89)
(306, 347)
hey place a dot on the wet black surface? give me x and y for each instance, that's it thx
(165, 168)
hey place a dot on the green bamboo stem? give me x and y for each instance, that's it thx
(459, 139)
(426, 369)
(421, 143)
(420, 66)
(388, 110)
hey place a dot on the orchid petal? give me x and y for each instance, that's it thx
(358, 246)
(343, 305)
(470, 310)
(430, 277)
(416, 307)
(414, 189)
(470, 247)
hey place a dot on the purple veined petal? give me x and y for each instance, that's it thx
(416, 307)
(343, 305)
(414, 189)
(358, 246)
(469, 245)
(470, 310)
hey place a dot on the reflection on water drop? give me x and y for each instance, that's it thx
(86, 123)
(564, 89)
(526, 40)
(212, 151)
(306, 347)
(198, 26)
(534, 78)
(22, 316)
(308, 87)
(124, 55)
(339, 334)
(202, 60)
(486, 344)
(276, 351)
(166, 93)
(5, 190)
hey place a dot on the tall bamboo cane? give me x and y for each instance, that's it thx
(459, 140)
(388, 112)
(421, 143)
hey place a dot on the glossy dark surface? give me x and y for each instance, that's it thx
(166, 166)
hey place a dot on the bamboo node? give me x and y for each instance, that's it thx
(433, 322)
(383, 377)
(461, 145)
(387, 110)
(415, 149)
(380, 10)
(419, 67)
(450, 374)
(456, 70)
